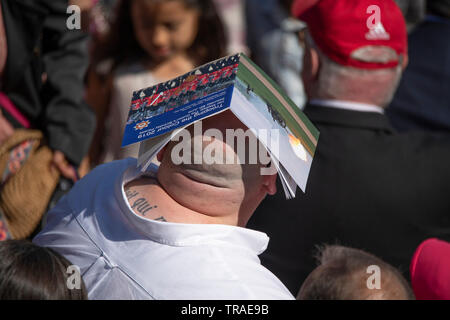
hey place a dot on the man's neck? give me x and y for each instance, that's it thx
(148, 199)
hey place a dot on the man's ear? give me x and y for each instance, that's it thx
(405, 61)
(270, 184)
(160, 154)
(311, 67)
(315, 63)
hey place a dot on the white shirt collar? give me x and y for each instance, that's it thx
(182, 234)
(347, 105)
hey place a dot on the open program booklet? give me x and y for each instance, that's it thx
(159, 113)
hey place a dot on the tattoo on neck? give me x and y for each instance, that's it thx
(161, 219)
(131, 194)
(141, 204)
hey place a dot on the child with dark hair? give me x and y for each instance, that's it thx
(150, 41)
(30, 272)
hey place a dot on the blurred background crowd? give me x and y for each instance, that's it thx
(65, 96)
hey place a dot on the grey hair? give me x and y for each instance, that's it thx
(354, 84)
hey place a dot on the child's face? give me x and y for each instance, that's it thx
(164, 28)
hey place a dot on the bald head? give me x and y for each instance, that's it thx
(202, 171)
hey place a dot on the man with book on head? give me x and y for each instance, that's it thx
(370, 187)
(173, 232)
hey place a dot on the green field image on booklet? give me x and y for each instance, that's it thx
(235, 83)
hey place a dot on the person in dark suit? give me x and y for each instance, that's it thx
(422, 101)
(42, 68)
(370, 187)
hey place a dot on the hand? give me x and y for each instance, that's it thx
(67, 170)
(6, 129)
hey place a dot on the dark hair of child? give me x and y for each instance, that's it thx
(120, 44)
(31, 272)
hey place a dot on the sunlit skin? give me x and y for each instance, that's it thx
(200, 193)
(165, 29)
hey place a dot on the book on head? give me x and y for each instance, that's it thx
(159, 113)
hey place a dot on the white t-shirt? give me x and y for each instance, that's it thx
(124, 256)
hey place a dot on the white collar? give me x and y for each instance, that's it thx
(183, 234)
(347, 105)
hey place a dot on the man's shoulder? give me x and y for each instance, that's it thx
(430, 146)
(356, 125)
(103, 177)
(214, 271)
(91, 201)
(365, 139)
(111, 168)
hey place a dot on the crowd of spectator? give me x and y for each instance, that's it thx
(374, 221)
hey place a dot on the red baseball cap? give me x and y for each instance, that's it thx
(339, 28)
(430, 270)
